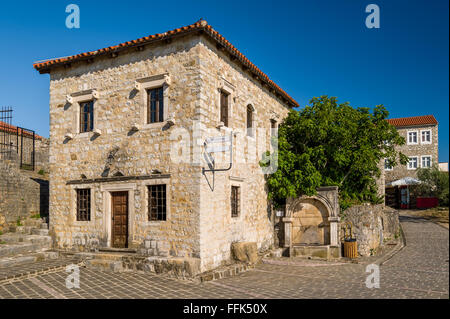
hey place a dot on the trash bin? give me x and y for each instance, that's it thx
(350, 248)
(350, 244)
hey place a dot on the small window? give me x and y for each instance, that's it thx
(235, 201)
(83, 204)
(249, 120)
(426, 137)
(426, 161)
(412, 137)
(387, 165)
(86, 116)
(157, 202)
(224, 108)
(412, 163)
(155, 105)
(273, 127)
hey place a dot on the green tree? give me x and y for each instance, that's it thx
(434, 183)
(331, 144)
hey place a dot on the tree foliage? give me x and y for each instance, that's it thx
(434, 184)
(331, 144)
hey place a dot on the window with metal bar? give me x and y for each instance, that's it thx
(155, 105)
(157, 202)
(224, 108)
(86, 116)
(83, 204)
(235, 201)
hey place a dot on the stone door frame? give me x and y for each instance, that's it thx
(329, 197)
(107, 208)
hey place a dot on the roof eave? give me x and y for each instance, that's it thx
(200, 28)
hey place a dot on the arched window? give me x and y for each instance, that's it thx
(250, 111)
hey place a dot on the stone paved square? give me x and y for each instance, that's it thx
(419, 270)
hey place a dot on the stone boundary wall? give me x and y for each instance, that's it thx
(42, 155)
(41, 149)
(22, 194)
(373, 225)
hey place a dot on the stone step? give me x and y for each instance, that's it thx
(117, 250)
(224, 272)
(128, 261)
(32, 222)
(21, 229)
(27, 258)
(99, 256)
(325, 252)
(104, 265)
(109, 256)
(17, 244)
(44, 226)
(40, 232)
(21, 248)
(12, 238)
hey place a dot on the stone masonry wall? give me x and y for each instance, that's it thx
(372, 225)
(255, 221)
(22, 194)
(139, 153)
(42, 155)
(41, 148)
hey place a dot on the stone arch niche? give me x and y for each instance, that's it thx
(312, 220)
(310, 223)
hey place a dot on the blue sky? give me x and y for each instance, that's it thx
(309, 48)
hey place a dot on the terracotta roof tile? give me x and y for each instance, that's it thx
(413, 121)
(201, 25)
(5, 127)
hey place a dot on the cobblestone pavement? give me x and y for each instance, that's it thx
(419, 270)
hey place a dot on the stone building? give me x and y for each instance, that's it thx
(421, 147)
(421, 135)
(132, 131)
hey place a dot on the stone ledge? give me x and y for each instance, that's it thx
(27, 258)
(225, 272)
(179, 267)
(116, 179)
(324, 252)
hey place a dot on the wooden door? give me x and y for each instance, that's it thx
(119, 219)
